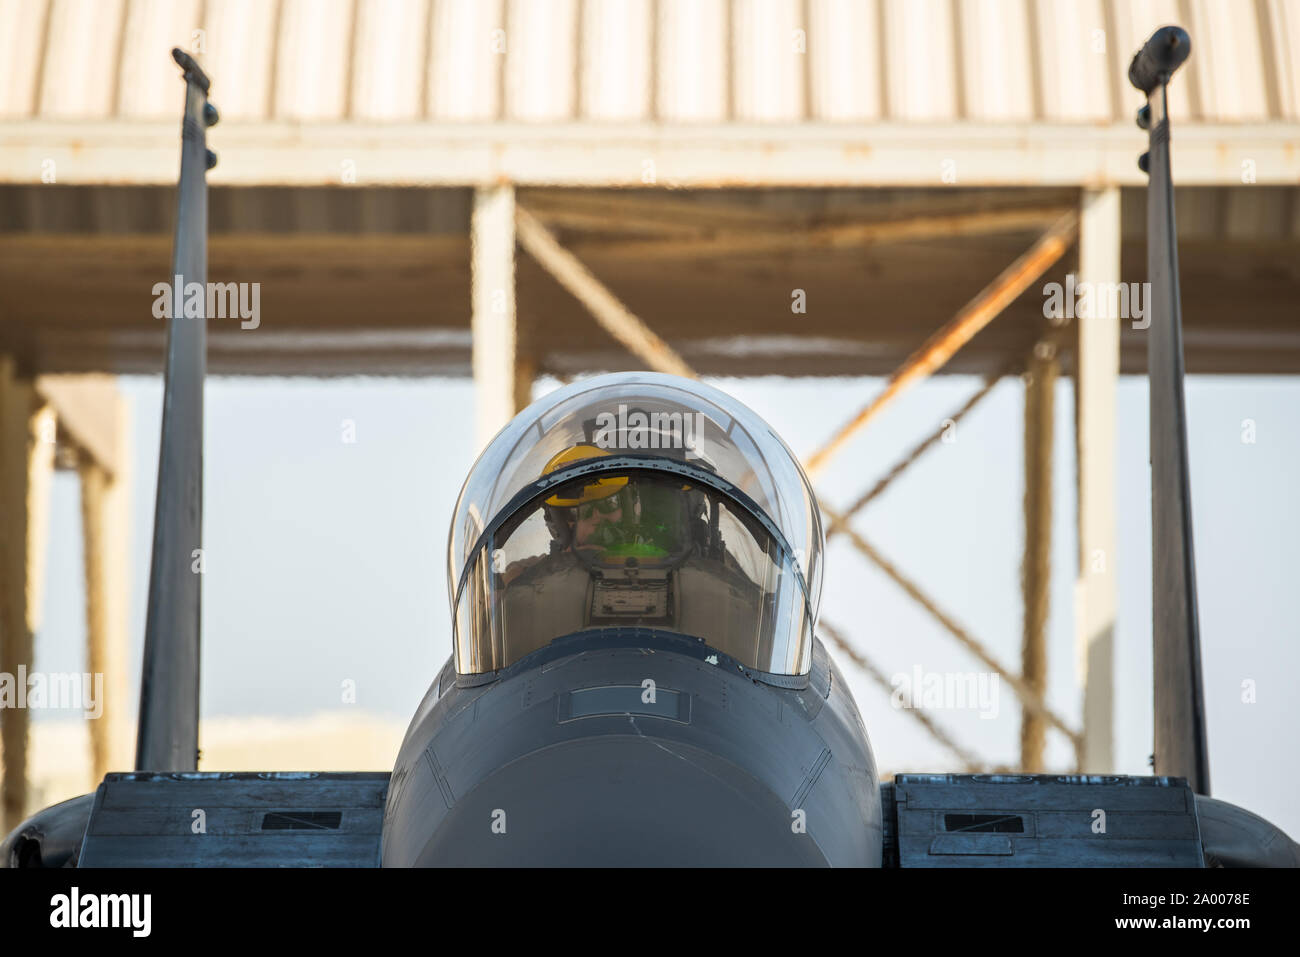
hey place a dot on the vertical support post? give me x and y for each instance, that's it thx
(1095, 381)
(26, 470)
(105, 528)
(1035, 572)
(525, 374)
(492, 268)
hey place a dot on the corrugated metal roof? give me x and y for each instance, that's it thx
(674, 61)
(376, 280)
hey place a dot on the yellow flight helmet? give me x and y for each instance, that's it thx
(594, 491)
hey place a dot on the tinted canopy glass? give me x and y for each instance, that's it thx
(633, 549)
(737, 470)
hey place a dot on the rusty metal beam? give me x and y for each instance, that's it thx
(614, 317)
(779, 237)
(971, 763)
(659, 214)
(27, 438)
(1035, 569)
(901, 466)
(1029, 700)
(974, 316)
(526, 370)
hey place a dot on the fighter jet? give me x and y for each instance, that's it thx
(635, 567)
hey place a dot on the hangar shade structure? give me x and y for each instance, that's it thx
(508, 189)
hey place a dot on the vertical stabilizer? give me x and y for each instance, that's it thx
(1180, 741)
(168, 733)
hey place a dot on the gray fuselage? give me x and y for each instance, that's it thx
(635, 747)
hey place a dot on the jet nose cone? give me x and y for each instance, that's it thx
(620, 800)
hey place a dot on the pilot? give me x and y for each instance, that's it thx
(614, 518)
(626, 549)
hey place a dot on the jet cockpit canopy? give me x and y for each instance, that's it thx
(636, 499)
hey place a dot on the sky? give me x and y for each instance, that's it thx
(325, 558)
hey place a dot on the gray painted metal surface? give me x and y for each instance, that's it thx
(1234, 837)
(944, 820)
(565, 756)
(1180, 736)
(168, 733)
(50, 838)
(286, 819)
(1041, 820)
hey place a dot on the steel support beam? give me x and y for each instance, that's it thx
(1035, 571)
(969, 761)
(691, 155)
(776, 237)
(1030, 701)
(27, 439)
(492, 267)
(1095, 381)
(990, 381)
(89, 413)
(106, 546)
(614, 317)
(526, 369)
(974, 316)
